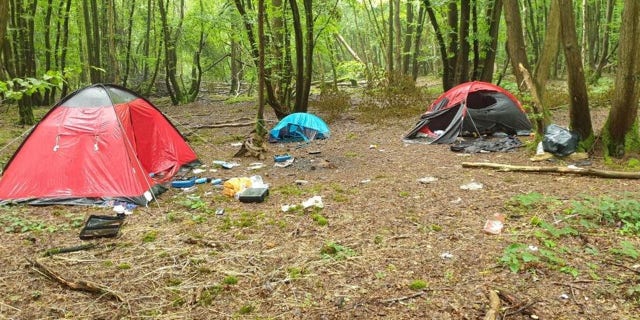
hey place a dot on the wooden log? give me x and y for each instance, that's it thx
(563, 170)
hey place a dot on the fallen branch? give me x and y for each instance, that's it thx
(54, 251)
(80, 285)
(521, 307)
(415, 295)
(395, 300)
(224, 125)
(567, 170)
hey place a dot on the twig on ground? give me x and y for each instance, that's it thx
(526, 308)
(399, 299)
(80, 285)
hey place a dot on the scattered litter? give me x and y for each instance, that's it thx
(216, 181)
(219, 211)
(281, 157)
(101, 227)
(446, 255)
(202, 180)
(472, 186)
(285, 163)
(253, 194)
(197, 171)
(495, 224)
(315, 201)
(533, 248)
(427, 180)
(564, 296)
(236, 144)
(256, 165)
(301, 182)
(457, 200)
(539, 149)
(225, 164)
(373, 146)
(314, 151)
(184, 182)
(365, 181)
(189, 189)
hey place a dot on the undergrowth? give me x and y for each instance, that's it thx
(561, 236)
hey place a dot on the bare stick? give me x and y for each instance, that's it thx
(394, 300)
(567, 170)
(80, 285)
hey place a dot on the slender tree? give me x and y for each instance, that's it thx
(580, 117)
(623, 116)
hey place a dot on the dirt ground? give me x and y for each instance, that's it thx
(383, 246)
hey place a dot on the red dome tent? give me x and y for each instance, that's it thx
(472, 107)
(100, 143)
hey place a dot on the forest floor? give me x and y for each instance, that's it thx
(397, 237)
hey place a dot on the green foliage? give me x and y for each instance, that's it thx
(335, 251)
(150, 236)
(523, 203)
(418, 285)
(605, 210)
(14, 223)
(230, 280)
(627, 249)
(17, 88)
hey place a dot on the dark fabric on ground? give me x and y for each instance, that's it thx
(506, 144)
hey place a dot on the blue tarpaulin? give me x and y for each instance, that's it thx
(299, 126)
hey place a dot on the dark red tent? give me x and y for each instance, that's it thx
(100, 143)
(471, 108)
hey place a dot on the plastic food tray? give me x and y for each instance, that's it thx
(101, 227)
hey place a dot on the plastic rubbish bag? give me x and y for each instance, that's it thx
(559, 141)
(236, 185)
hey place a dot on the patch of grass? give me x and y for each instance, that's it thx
(289, 190)
(246, 309)
(240, 99)
(124, 266)
(336, 251)
(417, 285)
(230, 280)
(319, 219)
(150, 236)
(524, 203)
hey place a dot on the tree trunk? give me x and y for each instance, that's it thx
(462, 63)
(604, 52)
(549, 53)
(624, 109)
(580, 118)
(447, 81)
(417, 42)
(515, 42)
(493, 13)
(408, 36)
(390, 42)
(4, 20)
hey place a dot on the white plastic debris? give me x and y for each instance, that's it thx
(427, 180)
(446, 255)
(315, 201)
(285, 163)
(472, 186)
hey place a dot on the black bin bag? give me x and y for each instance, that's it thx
(559, 141)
